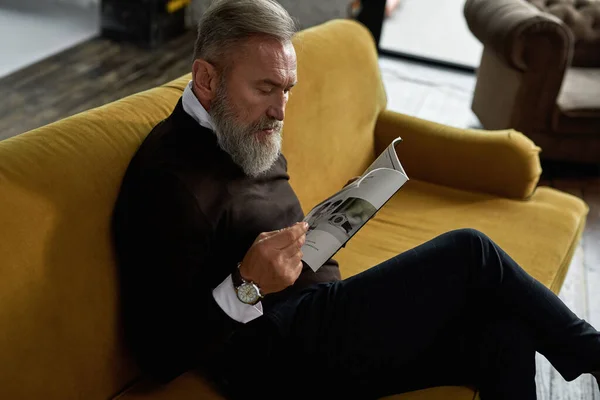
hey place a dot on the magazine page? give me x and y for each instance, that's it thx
(387, 159)
(334, 221)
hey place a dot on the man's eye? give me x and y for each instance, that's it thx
(265, 91)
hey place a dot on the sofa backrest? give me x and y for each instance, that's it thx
(583, 19)
(59, 324)
(60, 335)
(331, 115)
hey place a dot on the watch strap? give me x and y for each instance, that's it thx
(236, 277)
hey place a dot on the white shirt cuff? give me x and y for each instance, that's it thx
(227, 299)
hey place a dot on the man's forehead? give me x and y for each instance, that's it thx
(271, 55)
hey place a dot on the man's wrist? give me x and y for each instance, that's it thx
(244, 272)
(247, 290)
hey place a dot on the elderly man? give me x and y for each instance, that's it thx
(208, 237)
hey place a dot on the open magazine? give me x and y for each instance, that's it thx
(335, 220)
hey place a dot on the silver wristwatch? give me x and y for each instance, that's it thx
(247, 292)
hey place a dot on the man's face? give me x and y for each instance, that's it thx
(249, 105)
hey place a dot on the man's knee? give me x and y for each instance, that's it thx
(482, 256)
(465, 242)
(469, 236)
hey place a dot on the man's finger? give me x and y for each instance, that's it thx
(299, 266)
(298, 256)
(288, 236)
(293, 249)
(265, 235)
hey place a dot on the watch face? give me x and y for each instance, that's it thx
(248, 293)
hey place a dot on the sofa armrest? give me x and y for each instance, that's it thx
(520, 34)
(504, 163)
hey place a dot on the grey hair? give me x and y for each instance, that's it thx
(227, 23)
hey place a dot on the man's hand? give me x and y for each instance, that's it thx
(352, 180)
(274, 260)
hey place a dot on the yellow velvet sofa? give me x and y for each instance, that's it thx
(60, 330)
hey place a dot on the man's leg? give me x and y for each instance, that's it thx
(505, 360)
(496, 358)
(374, 330)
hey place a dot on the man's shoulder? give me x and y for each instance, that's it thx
(172, 155)
(156, 142)
(170, 142)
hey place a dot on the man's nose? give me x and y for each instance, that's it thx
(277, 109)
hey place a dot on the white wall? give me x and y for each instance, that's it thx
(40, 29)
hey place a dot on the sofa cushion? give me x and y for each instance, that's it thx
(540, 234)
(578, 103)
(580, 90)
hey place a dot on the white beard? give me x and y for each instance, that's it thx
(241, 142)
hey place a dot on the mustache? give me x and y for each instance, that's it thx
(267, 123)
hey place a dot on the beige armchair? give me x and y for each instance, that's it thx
(540, 72)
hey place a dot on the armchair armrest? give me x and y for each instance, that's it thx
(503, 163)
(520, 34)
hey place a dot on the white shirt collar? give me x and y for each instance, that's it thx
(194, 108)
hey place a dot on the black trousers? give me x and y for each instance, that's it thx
(456, 310)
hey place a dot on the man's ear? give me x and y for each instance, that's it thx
(205, 78)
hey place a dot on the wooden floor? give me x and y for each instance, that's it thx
(98, 71)
(86, 76)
